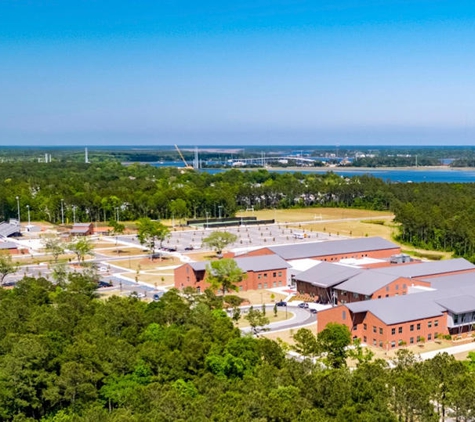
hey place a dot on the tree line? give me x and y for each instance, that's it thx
(431, 215)
(67, 356)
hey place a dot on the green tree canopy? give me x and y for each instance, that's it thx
(219, 240)
(150, 232)
(224, 275)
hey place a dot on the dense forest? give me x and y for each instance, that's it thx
(437, 216)
(69, 357)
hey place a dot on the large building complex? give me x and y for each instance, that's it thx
(385, 298)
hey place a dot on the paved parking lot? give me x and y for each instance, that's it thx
(248, 236)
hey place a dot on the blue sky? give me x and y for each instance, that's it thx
(237, 72)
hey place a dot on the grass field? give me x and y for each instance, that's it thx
(313, 214)
(144, 263)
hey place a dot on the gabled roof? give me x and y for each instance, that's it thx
(332, 247)
(452, 281)
(427, 268)
(398, 309)
(326, 274)
(367, 282)
(253, 263)
(458, 304)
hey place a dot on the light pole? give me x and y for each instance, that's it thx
(62, 211)
(18, 208)
(207, 214)
(117, 214)
(74, 214)
(28, 209)
(219, 210)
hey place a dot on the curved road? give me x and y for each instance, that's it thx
(301, 318)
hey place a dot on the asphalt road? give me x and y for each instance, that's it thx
(301, 318)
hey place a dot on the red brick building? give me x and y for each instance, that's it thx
(444, 304)
(263, 272)
(340, 284)
(333, 251)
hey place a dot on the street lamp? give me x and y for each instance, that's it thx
(28, 209)
(18, 207)
(219, 210)
(74, 214)
(62, 211)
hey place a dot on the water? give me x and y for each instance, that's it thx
(440, 175)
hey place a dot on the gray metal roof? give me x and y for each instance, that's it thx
(395, 310)
(332, 247)
(327, 274)
(427, 268)
(253, 263)
(411, 307)
(8, 245)
(452, 281)
(458, 304)
(367, 282)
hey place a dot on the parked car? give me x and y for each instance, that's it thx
(103, 283)
(303, 305)
(281, 303)
(189, 248)
(313, 311)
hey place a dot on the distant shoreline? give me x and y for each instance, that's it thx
(360, 169)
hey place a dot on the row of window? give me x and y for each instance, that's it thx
(335, 258)
(400, 329)
(274, 284)
(274, 274)
(400, 342)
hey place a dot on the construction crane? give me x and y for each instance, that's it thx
(187, 166)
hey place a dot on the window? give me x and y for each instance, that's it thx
(418, 339)
(381, 344)
(404, 287)
(418, 327)
(365, 326)
(386, 296)
(429, 324)
(364, 339)
(280, 273)
(436, 323)
(279, 284)
(187, 269)
(343, 315)
(265, 285)
(259, 276)
(356, 295)
(274, 284)
(411, 340)
(274, 274)
(380, 330)
(379, 297)
(343, 293)
(429, 336)
(387, 288)
(240, 288)
(393, 331)
(259, 286)
(411, 327)
(397, 286)
(399, 330)
(374, 329)
(374, 342)
(265, 275)
(393, 344)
